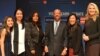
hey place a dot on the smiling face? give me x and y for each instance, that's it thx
(91, 10)
(19, 15)
(9, 22)
(57, 14)
(72, 19)
(35, 17)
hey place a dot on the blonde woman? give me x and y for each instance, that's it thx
(92, 31)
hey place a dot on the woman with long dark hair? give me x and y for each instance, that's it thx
(35, 35)
(74, 33)
(18, 34)
(6, 36)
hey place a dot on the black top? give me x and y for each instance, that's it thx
(8, 37)
(74, 33)
(7, 44)
(92, 29)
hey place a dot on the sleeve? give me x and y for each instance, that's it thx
(65, 37)
(94, 35)
(47, 30)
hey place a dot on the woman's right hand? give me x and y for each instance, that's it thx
(46, 49)
(85, 37)
(33, 51)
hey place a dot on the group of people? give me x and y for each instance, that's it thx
(21, 38)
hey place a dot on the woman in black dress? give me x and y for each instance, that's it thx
(92, 31)
(74, 33)
(35, 35)
(6, 36)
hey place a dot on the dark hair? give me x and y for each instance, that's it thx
(22, 21)
(69, 25)
(35, 23)
(5, 22)
(70, 16)
(57, 9)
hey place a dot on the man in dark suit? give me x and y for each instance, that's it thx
(56, 36)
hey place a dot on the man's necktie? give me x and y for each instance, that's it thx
(56, 27)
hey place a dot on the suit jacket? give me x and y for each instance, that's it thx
(75, 38)
(34, 36)
(31, 39)
(57, 42)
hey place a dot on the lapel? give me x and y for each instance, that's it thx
(59, 28)
(52, 27)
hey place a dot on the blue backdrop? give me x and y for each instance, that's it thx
(45, 10)
(7, 8)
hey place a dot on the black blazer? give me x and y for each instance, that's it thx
(74, 38)
(34, 36)
(92, 29)
(57, 42)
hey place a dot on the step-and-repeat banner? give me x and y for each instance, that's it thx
(45, 8)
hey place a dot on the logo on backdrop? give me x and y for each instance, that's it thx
(64, 15)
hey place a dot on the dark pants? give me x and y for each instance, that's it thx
(93, 50)
(22, 54)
